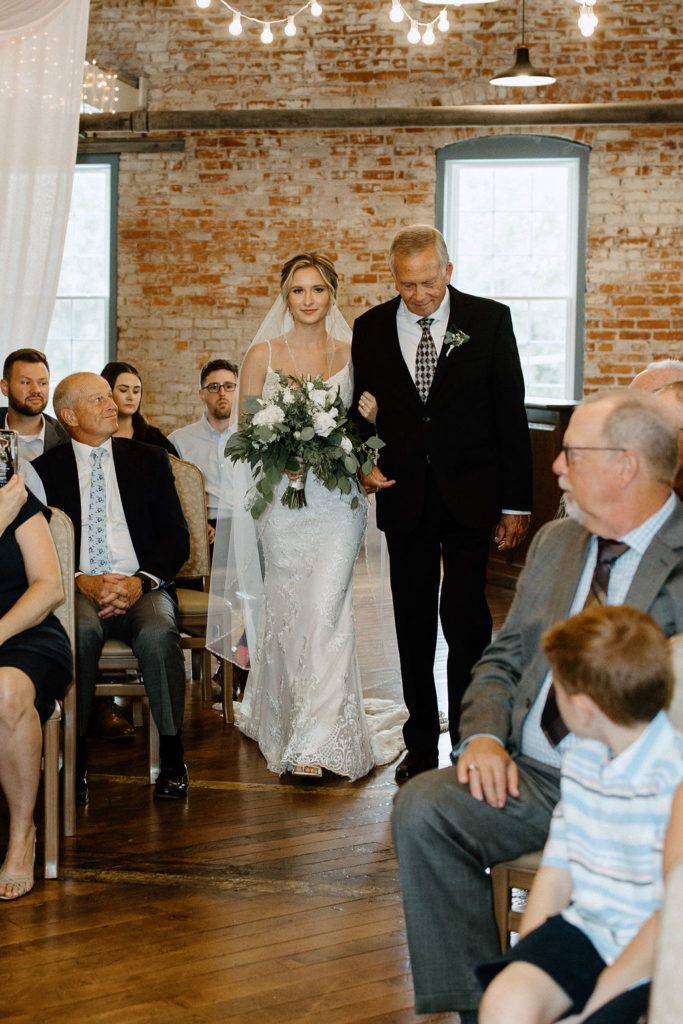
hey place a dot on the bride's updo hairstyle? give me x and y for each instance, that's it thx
(317, 261)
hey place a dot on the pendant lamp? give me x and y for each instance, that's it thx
(522, 73)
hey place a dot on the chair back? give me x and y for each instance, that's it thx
(62, 532)
(676, 707)
(189, 481)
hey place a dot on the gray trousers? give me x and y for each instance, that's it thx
(150, 628)
(444, 842)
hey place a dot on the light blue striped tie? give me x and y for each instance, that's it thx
(97, 517)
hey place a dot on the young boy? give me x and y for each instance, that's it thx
(588, 936)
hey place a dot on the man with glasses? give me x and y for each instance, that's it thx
(203, 442)
(622, 543)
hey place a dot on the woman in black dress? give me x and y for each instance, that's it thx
(126, 387)
(35, 668)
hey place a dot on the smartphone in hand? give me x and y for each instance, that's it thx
(9, 453)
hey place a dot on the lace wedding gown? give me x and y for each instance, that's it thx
(303, 703)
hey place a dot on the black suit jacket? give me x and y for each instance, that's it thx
(54, 431)
(150, 501)
(472, 431)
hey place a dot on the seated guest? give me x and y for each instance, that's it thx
(617, 465)
(671, 396)
(35, 668)
(589, 932)
(657, 374)
(26, 385)
(203, 442)
(131, 539)
(126, 388)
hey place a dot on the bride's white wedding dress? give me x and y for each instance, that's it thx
(303, 703)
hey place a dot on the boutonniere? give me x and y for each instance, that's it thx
(454, 339)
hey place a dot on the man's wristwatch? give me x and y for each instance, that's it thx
(145, 581)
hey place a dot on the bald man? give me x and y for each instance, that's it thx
(131, 540)
(657, 374)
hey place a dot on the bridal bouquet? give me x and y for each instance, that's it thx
(300, 425)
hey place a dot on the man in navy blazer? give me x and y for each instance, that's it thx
(455, 466)
(124, 590)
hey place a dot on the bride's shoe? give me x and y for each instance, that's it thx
(311, 771)
(21, 883)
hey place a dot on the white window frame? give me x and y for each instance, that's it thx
(526, 150)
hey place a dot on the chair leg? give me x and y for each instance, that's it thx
(69, 762)
(51, 795)
(207, 691)
(154, 761)
(500, 893)
(226, 686)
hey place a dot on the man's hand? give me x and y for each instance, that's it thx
(112, 592)
(511, 531)
(375, 480)
(211, 531)
(490, 771)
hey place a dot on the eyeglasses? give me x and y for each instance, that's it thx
(567, 450)
(216, 388)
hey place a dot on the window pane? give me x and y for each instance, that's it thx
(511, 225)
(78, 336)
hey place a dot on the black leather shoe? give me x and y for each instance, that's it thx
(413, 764)
(82, 795)
(171, 785)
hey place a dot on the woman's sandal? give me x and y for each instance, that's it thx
(309, 770)
(22, 883)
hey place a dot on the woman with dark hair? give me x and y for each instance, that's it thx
(126, 388)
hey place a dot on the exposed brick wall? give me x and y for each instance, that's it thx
(202, 233)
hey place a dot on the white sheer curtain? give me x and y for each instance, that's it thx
(42, 49)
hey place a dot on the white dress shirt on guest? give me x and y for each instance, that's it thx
(202, 444)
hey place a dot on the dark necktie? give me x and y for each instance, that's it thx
(425, 359)
(608, 552)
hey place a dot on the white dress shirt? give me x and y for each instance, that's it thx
(410, 332)
(202, 444)
(122, 557)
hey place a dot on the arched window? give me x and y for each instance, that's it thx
(513, 212)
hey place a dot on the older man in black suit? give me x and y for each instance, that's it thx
(445, 371)
(131, 539)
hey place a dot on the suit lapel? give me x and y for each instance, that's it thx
(442, 362)
(655, 567)
(392, 361)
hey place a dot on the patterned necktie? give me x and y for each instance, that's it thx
(425, 360)
(608, 552)
(97, 517)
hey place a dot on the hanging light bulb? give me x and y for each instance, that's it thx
(587, 19)
(290, 27)
(203, 4)
(428, 36)
(443, 23)
(414, 34)
(267, 35)
(522, 72)
(235, 27)
(396, 12)
(316, 9)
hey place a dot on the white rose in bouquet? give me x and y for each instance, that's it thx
(270, 416)
(345, 445)
(319, 397)
(323, 423)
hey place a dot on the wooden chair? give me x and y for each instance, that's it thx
(519, 873)
(118, 658)
(63, 537)
(193, 605)
(666, 1000)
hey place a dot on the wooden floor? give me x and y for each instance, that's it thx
(257, 900)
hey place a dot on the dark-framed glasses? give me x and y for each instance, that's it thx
(215, 388)
(568, 449)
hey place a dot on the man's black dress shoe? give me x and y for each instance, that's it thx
(82, 795)
(171, 785)
(413, 764)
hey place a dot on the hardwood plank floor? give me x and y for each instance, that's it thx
(256, 900)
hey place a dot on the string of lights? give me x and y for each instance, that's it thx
(588, 19)
(419, 30)
(289, 21)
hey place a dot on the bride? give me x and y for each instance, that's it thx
(288, 577)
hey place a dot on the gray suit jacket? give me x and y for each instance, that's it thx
(54, 432)
(512, 669)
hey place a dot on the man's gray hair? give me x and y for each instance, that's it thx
(638, 422)
(416, 238)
